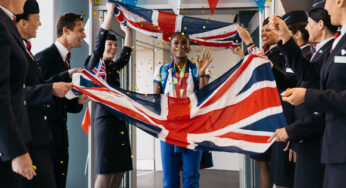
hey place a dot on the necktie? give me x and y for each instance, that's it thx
(314, 48)
(336, 35)
(28, 46)
(14, 20)
(67, 61)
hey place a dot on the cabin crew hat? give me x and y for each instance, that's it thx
(295, 17)
(30, 7)
(318, 4)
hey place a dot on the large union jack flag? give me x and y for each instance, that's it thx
(162, 25)
(238, 112)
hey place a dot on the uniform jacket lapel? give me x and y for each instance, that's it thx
(336, 51)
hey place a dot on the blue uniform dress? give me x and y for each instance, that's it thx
(174, 156)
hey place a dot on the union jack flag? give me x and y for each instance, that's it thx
(162, 25)
(238, 112)
(100, 70)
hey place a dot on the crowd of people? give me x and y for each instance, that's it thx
(306, 51)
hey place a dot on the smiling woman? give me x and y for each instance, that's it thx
(179, 79)
(113, 152)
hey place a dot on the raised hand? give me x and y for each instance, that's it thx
(61, 88)
(203, 63)
(110, 8)
(280, 28)
(244, 35)
(23, 165)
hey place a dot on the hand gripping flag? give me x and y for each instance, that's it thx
(238, 112)
(162, 25)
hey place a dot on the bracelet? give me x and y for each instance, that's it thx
(250, 44)
(201, 76)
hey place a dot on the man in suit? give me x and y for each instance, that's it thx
(39, 94)
(14, 127)
(330, 99)
(54, 60)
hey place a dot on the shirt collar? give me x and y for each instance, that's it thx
(304, 46)
(321, 44)
(272, 46)
(62, 50)
(9, 14)
(343, 30)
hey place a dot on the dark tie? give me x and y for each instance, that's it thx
(28, 47)
(67, 62)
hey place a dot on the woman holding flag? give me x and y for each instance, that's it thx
(113, 152)
(179, 79)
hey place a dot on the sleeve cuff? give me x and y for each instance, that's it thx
(311, 96)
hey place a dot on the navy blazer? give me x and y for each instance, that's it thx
(39, 94)
(51, 64)
(307, 128)
(112, 68)
(331, 100)
(307, 51)
(14, 126)
(282, 79)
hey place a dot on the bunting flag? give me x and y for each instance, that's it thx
(238, 112)
(162, 25)
(212, 5)
(260, 4)
(86, 121)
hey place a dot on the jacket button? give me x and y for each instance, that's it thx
(24, 102)
(0, 154)
(23, 86)
(45, 117)
(48, 106)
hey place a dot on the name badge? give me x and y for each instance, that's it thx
(289, 70)
(340, 59)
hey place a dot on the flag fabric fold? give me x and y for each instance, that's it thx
(238, 112)
(162, 25)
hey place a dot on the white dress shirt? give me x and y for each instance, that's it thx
(62, 50)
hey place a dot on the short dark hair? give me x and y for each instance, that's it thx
(318, 14)
(181, 34)
(300, 26)
(67, 20)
